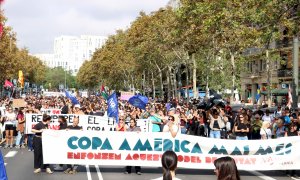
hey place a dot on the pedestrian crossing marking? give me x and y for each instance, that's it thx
(11, 154)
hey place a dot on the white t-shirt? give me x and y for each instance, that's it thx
(267, 118)
(161, 178)
(266, 132)
(10, 118)
(175, 128)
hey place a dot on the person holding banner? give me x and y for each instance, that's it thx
(155, 120)
(226, 169)
(169, 163)
(133, 128)
(70, 168)
(121, 126)
(172, 127)
(241, 128)
(37, 145)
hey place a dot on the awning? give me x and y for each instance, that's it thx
(277, 92)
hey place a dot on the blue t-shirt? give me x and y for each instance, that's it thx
(287, 120)
(155, 127)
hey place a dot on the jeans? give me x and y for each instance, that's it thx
(215, 134)
(241, 137)
(19, 138)
(30, 141)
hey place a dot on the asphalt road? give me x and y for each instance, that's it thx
(19, 166)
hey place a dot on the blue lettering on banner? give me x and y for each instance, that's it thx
(176, 145)
(125, 145)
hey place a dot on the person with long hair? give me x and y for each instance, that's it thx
(241, 128)
(226, 169)
(169, 164)
(37, 145)
(9, 125)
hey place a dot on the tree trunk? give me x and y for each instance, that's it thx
(132, 83)
(195, 91)
(175, 83)
(233, 77)
(161, 84)
(168, 85)
(179, 82)
(143, 83)
(206, 88)
(295, 71)
(268, 79)
(187, 85)
(153, 85)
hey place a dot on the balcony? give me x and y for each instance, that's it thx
(285, 72)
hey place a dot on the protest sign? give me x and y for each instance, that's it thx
(17, 103)
(126, 95)
(145, 149)
(88, 122)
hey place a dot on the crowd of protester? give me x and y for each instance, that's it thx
(175, 116)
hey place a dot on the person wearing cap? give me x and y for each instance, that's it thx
(37, 145)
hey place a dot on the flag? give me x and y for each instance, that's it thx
(112, 110)
(72, 98)
(7, 83)
(3, 175)
(21, 79)
(1, 29)
(138, 101)
(103, 92)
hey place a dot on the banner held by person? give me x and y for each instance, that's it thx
(88, 122)
(145, 149)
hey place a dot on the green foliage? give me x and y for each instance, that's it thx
(57, 76)
(215, 30)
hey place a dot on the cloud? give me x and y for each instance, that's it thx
(38, 22)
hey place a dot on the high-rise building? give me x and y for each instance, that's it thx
(70, 51)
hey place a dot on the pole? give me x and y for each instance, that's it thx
(295, 71)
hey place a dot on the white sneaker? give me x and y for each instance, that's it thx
(48, 170)
(37, 170)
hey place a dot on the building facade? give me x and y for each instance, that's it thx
(254, 81)
(70, 51)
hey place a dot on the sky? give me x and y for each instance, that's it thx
(38, 22)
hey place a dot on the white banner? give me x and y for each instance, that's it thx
(88, 122)
(145, 149)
